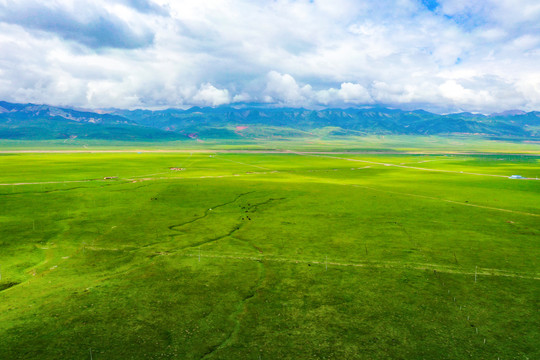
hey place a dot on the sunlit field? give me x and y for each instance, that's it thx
(269, 256)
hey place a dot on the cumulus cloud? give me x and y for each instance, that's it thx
(354, 93)
(212, 96)
(442, 55)
(347, 94)
(283, 88)
(460, 95)
(243, 97)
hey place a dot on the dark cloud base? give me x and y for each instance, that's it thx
(100, 30)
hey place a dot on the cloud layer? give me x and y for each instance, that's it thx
(447, 55)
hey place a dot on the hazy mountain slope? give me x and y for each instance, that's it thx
(29, 121)
(39, 122)
(373, 120)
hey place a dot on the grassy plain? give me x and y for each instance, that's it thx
(269, 256)
(369, 143)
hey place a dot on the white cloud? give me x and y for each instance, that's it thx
(243, 97)
(529, 88)
(477, 56)
(347, 94)
(460, 95)
(283, 88)
(354, 93)
(208, 94)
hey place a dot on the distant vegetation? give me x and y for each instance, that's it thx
(32, 122)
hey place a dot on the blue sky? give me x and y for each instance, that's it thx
(443, 56)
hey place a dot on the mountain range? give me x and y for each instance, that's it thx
(39, 122)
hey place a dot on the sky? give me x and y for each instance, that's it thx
(438, 55)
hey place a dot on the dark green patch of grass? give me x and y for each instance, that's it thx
(7, 285)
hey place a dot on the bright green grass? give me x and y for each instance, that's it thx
(269, 256)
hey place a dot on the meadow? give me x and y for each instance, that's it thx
(317, 142)
(270, 255)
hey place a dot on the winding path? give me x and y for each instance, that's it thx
(404, 166)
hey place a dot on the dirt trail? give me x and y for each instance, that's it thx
(404, 166)
(48, 182)
(242, 163)
(445, 200)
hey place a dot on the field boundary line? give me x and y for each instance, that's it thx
(404, 166)
(445, 200)
(367, 264)
(139, 179)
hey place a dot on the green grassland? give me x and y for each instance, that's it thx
(270, 256)
(315, 142)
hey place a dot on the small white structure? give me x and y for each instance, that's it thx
(516, 177)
